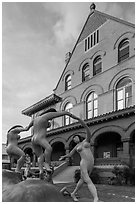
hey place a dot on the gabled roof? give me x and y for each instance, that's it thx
(94, 21)
(50, 100)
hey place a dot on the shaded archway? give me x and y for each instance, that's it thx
(58, 149)
(75, 159)
(132, 148)
(108, 145)
(29, 151)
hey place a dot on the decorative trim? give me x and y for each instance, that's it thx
(128, 35)
(98, 89)
(99, 52)
(86, 61)
(68, 99)
(118, 76)
(71, 72)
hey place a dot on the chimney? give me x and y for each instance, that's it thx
(67, 57)
(92, 7)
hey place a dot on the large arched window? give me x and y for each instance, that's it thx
(124, 93)
(68, 82)
(123, 50)
(97, 65)
(92, 105)
(67, 119)
(85, 72)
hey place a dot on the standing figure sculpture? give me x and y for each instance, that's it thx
(12, 148)
(28, 167)
(39, 140)
(86, 163)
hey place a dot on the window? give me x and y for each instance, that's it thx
(123, 50)
(97, 65)
(67, 119)
(124, 93)
(85, 72)
(91, 40)
(92, 105)
(68, 82)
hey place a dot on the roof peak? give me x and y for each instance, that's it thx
(92, 7)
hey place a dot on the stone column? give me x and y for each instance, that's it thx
(67, 152)
(34, 160)
(92, 149)
(126, 145)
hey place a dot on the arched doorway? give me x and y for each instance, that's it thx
(58, 150)
(29, 151)
(108, 145)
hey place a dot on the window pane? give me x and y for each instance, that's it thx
(89, 114)
(86, 73)
(95, 104)
(66, 120)
(89, 98)
(95, 95)
(95, 113)
(120, 94)
(68, 82)
(128, 91)
(123, 50)
(90, 105)
(68, 78)
(128, 102)
(98, 68)
(87, 78)
(125, 81)
(97, 65)
(124, 43)
(120, 105)
(71, 120)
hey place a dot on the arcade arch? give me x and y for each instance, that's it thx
(108, 145)
(58, 149)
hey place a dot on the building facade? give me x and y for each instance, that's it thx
(98, 85)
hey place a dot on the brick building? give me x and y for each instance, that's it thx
(98, 85)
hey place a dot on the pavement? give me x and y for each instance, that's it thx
(66, 176)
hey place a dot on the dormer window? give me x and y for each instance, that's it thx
(85, 72)
(123, 50)
(91, 40)
(68, 82)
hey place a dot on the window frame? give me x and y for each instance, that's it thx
(85, 70)
(122, 48)
(66, 117)
(124, 97)
(94, 98)
(97, 62)
(67, 82)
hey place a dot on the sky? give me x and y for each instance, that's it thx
(35, 38)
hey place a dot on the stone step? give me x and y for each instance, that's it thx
(66, 176)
